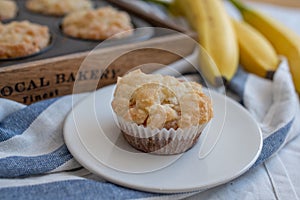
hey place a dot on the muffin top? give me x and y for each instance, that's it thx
(158, 101)
(98, 24)
(8, 9)
(57, 7)
(22, 38)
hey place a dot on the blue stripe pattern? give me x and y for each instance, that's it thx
(238, 82)
(16, 166)
(18, 122)
(272, 143)
(72, 189)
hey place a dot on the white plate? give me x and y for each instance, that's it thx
(93, 137)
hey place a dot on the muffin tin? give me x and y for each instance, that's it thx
(60, 44)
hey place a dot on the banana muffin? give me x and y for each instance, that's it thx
(8, 9)
(98, 24)
(58, 7)
(22, 38)
(160, 114)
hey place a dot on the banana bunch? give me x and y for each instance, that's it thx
(285, 41)
(215, 34)
(226, 41)
(255, 42)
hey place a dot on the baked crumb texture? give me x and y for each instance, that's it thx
(22, 38)
(157, 101)
(8, 9)
(98, 24)
(58, 7)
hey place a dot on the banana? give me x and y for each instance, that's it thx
(257, 54)
(215, 34)
(285, 41)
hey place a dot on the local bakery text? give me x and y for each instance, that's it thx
(34, 90)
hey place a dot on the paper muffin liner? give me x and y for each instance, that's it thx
(160, 141)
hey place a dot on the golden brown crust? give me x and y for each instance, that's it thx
(22, 38)
(157, 101)
(58, 7)
(98, 24)
(8, 9)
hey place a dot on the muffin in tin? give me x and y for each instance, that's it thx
(8, 9)
(57, 7)
(22, 38)
(160, 114)
(98, 24)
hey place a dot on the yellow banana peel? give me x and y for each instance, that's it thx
(215, 34)
(285, 41)
(257, 55)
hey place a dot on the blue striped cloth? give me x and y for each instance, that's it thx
(36, 164)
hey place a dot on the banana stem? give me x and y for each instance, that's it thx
(239, 5)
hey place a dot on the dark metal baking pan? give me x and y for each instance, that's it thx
(63, 45)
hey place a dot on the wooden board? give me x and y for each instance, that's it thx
(287, 3)
(43, 79)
